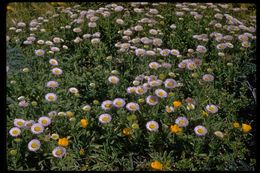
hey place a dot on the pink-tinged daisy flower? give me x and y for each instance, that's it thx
(113, 79)
(19, 122)
(132, 106)
(39, 52)
(37, 128)
(104, 118)
(140, 90)
(119, 102)
(51, 97)
(34, 145)
(170, 83)
(201, 49)
(161, 93)
(131, 90)
(45, 121)
(154, 65)
(200, 130)
(15, 131)
(212, 108)
(107, 105)
(152, 126)
(152, 100)
(59, 152)
(165, 52)
(208, 77)
(52, 84)
(182, 121)
(56, 71)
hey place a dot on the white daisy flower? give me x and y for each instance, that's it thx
(51, 97)
(52, 84)
(161, 93)
(200, 130)
(107, 105)
(73, 90)
(113, 79)
(56, 71)
(152, 126)
(118, 102)
(212, 108)
(182, 121)
(39, 52)
(104, 118)
(15, 131)
(140, 90)
(59, 152)
(132, 106)
(170, 83)
(34, 145)
(19, 122)
(37, 128)
(152, 100)
(45, 121)
(53, 62)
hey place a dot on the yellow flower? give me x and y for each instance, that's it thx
(156, 165)
(127, 131)
(236, 125)
(63, 142)
(246, 128)
(84, 123)
(176, 104)
(81, 151)
(175, 128)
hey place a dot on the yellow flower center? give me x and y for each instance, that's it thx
(44, 121)
(152, 100)
(34, 145)
(105, 119)
(40, 53)
(161, 93)
(132, 106)
(140, 90)
(20, 123)
(152, 126)
(153, 65)
(37, 129)
(170, 84)
(108, 105)
(211, 108)
(52, 84)
(200, 131)
(58, 152)
(132, 90)
(118, 103)
(181, 122)
(51, 98)
(56, 71)
(15, 132)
